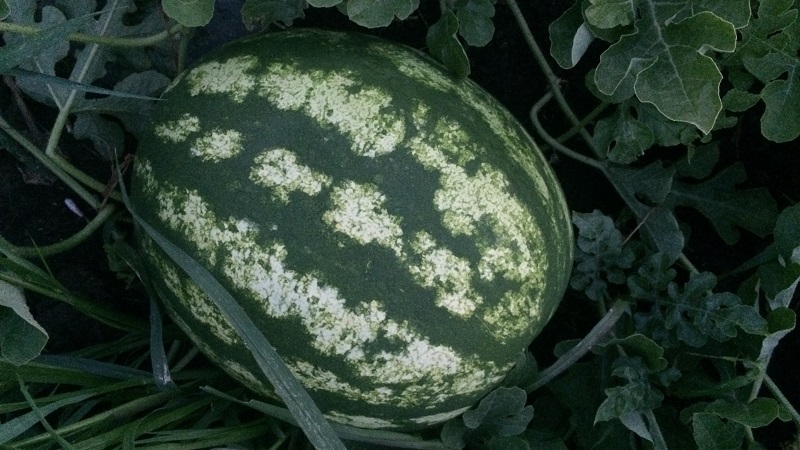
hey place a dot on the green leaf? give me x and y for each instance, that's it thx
(49, 43)
(82, 87)
(525, 370)
(787, 233)
(445, 47)
(634, 397)
(106, 136)
(650, 184)
(21, 337)
(324, 3)
(666, 132)
(670, 65)
(302, 407)
(780, 322)
(600, 257)
(712, 433)
(610, 13)
(501, 413)
(639, 345)
(622, 136)
(781, 119)
(569, 37)
(652, 277)
(5, 10)
(379, 13)
(503, 410)
(475, 21)
(768, 50)
(739, 101)
(19, 425)
(757, 413)
(727, 207)
(696, 313)
(265, 12)
(700, 163)
(189, 13)
(125, 101)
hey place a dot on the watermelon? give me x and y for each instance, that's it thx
(392, 230)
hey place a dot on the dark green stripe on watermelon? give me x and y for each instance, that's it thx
(408, 203)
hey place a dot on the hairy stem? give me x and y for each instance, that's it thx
(598, 333)
(57, 169)
(70, 242)
(552, 78)
(776, 391)
(111, 41)
(552, 141)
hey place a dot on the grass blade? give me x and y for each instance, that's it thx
(297, 400)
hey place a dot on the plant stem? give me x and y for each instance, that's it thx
(111, 41)
(552, 141)
(551, 77)
(50, 164)
(48, 250)
(776, 391)
(124, 411)
(655, 431)
(600, 330)
(50, 431)
(64, 110)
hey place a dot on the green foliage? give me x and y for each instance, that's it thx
(21, 338)
(694, 61)
(500, 416)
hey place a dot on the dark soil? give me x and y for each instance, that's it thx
(35, 212)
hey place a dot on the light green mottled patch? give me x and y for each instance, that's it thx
(469, 200)
(195, 300)
(178, 130)
(185, 210)
(228, 77)
(436, 267)
(279, 169)
(514, 141)
(217, 145)
(439, 418)
(417, 69)
(336, 99)
(510, 317)
(144, 173)
(436, 372)
(358, 211)
(360, 421)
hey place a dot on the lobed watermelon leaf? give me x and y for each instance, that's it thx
(475, 21)
(379, 13)
(21, 337)
(570, 37)
(768, 50)
(725, 206)
(711, 431)
(189, 13)
(645, 191)
(600, 255)
(501, 413)
(622, 136)
(445, 47)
